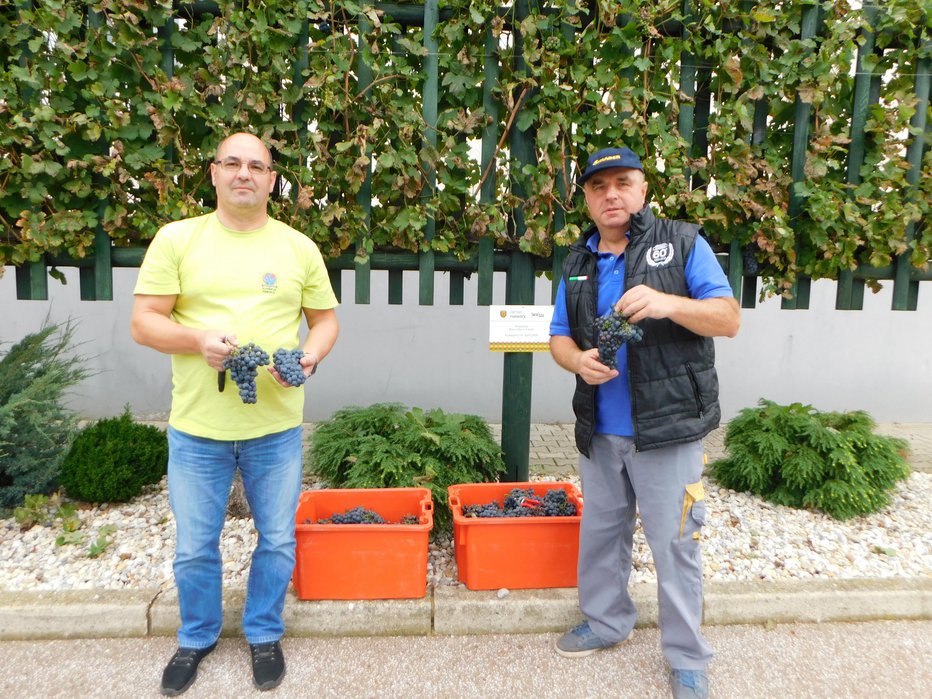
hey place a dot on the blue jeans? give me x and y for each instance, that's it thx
(200, 474)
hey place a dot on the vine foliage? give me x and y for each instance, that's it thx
(110, 111)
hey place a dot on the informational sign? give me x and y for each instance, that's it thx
(519, 328)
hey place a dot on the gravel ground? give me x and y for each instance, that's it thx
(745, 539)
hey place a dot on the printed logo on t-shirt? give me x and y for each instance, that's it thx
(269, 283)
(660, 255)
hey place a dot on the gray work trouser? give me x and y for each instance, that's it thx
(665, 485)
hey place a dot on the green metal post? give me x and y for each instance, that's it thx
(395, 287)
(516, 379)
(735, 267)
(489, 143)
(519, 289)
(758, 136)
(457, 288)
(906, 289)
(32, 282)
(168, 66)
(299, 113)
(431, 70)
(96, 283)
(849, 294)
(626, 74)
(336, 282)
(802, 113)
(558, 254)
(364, 196)
(687, 100)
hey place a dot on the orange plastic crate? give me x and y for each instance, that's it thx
(514, 552)
(362, 561)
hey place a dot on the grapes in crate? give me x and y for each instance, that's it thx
(614, 331)
(524, 503)
(288, 365)
(361, 515)
(243, 364)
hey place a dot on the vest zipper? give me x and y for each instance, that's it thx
(695, 384)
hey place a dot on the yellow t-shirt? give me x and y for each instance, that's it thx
(252, 284)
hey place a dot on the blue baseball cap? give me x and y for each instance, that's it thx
(609, 158)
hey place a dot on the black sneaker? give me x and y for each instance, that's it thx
(268, 664)
(181, 670)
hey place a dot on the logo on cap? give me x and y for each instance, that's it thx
(605, 159)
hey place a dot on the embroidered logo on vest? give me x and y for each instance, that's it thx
(660, 255)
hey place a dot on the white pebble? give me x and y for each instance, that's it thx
(744, 539)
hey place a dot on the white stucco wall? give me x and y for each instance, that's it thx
(436, 356)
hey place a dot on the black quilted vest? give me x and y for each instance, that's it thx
(671, 372)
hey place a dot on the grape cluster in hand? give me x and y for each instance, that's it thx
(614, 331)
(243, 363)
(288, 364)
(524, 503)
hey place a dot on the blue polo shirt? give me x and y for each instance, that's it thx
(704, 278)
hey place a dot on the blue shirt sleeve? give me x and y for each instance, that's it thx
(560, 323)
(705, 277)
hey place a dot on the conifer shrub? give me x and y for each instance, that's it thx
(111, 460)
(386, 445)
(797, 456)
(36, 429)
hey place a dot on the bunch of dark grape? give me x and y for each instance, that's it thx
(524, 503)
(288, 364)
(614, 331)
(556, 504)
(482, 511)
(356, 515)
(516, 498)
(243, 363)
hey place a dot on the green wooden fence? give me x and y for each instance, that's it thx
(520, 268)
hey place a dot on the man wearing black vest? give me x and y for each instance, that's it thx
(638, 427)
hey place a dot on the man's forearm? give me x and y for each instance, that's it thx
(165, 335)
(714, 317)
(565, 352)
(321, 337)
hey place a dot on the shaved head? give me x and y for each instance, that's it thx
(243, 178)
(242, 138)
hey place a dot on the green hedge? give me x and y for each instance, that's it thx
(100, 126)
(797, 456)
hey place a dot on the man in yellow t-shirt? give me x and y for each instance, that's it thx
(209, 285)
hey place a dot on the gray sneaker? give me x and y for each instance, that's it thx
(581, 641)
(689, 684)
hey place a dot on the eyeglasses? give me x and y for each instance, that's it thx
(256, 167)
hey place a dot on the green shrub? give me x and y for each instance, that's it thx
(35, 427)
(795, 455)
(111, 460)
(388, 446)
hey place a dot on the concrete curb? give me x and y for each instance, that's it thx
(453, 611)
(74, 614)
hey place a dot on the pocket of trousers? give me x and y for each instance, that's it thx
(693, 516)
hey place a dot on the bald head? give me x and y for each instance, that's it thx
(246, 140)
(243, 178)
